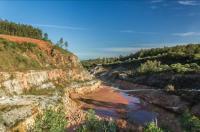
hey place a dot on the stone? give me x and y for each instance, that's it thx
(196, 110)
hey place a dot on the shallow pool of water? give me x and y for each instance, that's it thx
(109, 102)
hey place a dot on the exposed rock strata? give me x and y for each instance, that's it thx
(25, 94)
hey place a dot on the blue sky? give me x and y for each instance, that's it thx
(110, 28)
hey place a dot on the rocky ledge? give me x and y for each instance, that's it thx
(25, 94)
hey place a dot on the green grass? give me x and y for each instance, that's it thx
(13, 55)
(151, 127)
(50, 121)
(28, 56)
(92, 124)
(190, 123)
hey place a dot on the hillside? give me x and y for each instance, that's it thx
(161, 63)
(36, 75)
(168, 55)
(20, 53)
(174, 73)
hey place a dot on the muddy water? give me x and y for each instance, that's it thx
(111, 102)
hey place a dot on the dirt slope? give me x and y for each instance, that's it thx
(42, 44)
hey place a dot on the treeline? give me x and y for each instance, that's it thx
(93, 62)
(11, 28)
(189, 49)
(178, 54)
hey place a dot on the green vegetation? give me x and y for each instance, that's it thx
(151, 127)
(11, 28)
(93, 62)
(14, 55)
(62, 44)
(54, 121)
(168, 55)
(156, 66)
(190, 123)
(93, 124)
(50, 121)
(23, 46)
(149, 67)
(63, 51)
(25, 56)
(183, 50)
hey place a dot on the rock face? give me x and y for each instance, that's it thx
(20, 82)
(25, 92)
(22, 96)
(16, 110)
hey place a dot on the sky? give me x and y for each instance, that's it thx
(109, 28)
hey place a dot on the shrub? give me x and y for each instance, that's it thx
(195, 66)
(156, 66)
(151, 127)
(149, 67)
(169, 88)
(93, 124)
(179, 68)
(196, 56)
(50, 121)
(190, 123)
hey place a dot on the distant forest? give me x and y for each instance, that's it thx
(178, 54)
(11, 28)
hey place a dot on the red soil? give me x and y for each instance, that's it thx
(41, 44)
(106, 94)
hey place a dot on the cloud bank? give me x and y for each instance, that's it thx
(59, 27)
(186, 34)
(188, 2)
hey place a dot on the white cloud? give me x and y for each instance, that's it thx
(127, 31)
(157, 1)
(186, 34)
(121, 49)
(136, 32)
(60, 27)
(188, 2)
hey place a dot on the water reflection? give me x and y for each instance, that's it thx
(133, 110)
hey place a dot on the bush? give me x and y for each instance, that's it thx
(50, 121)
(149, 67)
(170, 88)
(179, 68)
(190, 123)
(196, 56)
(93, 124)
(151, 127)
(156, 66)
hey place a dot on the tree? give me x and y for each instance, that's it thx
(61, 41)
(46, 36)
(11, 28)
(66, 44)
(62, 44)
